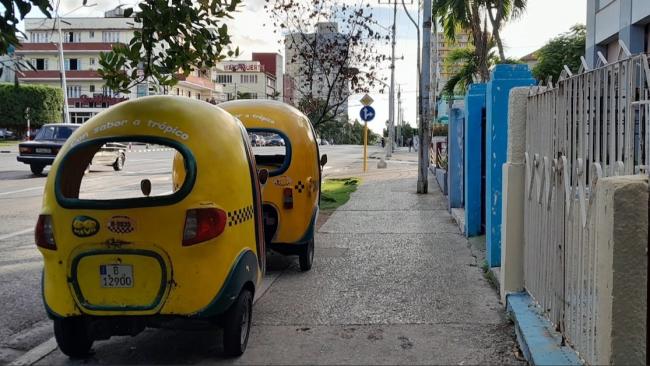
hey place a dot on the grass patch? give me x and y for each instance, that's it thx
(9, 143)
(489, 275)
(336, 192)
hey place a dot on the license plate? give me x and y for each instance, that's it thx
(42, 150)
(116, 275)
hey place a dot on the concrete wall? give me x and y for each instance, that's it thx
(514, 173)
(620, 227)
(456, 156)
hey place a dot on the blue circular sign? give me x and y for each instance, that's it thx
(367, 113)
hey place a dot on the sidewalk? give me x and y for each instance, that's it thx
(393, 282)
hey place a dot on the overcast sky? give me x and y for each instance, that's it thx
(543, 20)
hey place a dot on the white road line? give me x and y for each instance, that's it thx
(21, 232)
(21, 190)
(36, 354)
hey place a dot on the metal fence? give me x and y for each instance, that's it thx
(586, 126)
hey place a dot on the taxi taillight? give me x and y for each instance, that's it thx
(44, 232)
(287, 197)
(203, 224)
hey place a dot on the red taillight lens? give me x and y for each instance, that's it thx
(25, 149)
(44, 232)
(287, 197)
(202, 224)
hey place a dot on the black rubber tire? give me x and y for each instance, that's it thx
(72, 337)
(237, 325)
(306, 258)
(37, 169)
(119, 163)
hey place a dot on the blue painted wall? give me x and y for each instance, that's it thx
(474, 159)
(455, 147)
(503, 78)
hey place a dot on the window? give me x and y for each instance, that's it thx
(74, 91)
(71, 37)
(39, 37)
(271, 148)
(54, 132)
(224, 79)
(39, 63)
(91, 61)
(106, 91)
(171, 182)
(178, 91)
(228, 96)
(248, 79)
(72, 64)
(189, 94)
(91, 34)
(198, 96)
(110, 36)
(92, 88)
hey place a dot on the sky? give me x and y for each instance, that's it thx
(543, 20)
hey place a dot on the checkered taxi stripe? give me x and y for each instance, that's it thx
(240, 216)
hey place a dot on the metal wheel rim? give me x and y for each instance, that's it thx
(245, 324)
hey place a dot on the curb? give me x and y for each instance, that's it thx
(538, 340)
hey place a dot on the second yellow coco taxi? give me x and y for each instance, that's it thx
(287, 148)
(189, 247)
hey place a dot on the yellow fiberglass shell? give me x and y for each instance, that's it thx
(302, 175)
(168, 278)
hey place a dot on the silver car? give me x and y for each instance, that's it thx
(111, 154)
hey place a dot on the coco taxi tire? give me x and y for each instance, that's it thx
(72, 337)
(237, 325)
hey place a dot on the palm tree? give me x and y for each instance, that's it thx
(465, 64)
(501, 11)
(455, 15)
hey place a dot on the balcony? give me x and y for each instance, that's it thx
(54, 75)
(97, 100)
(67, 47)
(197, 82)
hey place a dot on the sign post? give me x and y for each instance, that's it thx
(367, 114)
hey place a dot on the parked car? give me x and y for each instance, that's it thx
(41, 151)
(111, 154)
(257, 140)
(275, 141)
(6, 134)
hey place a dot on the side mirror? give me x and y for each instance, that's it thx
(145, 187)
(323, 160)
(263, 176)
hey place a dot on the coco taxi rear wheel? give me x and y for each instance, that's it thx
(72, 337)
(306, 258)
(237, 325)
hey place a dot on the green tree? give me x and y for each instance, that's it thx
(172, 38)
(499, 12)
(244, 95)
(10, 18)
(565, 49)
(45, 105)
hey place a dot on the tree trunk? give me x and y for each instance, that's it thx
(496, 24)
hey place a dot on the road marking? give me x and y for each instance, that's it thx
(36, 354)
(21, 190)
(21, 232)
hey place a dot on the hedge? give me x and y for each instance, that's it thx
(45, 105)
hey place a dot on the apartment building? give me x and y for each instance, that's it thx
(246, 79)
(443, 47)
(83, 41)
(609, 21)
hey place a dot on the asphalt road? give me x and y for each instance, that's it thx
(22, 317)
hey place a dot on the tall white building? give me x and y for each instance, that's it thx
(315, 79)
(83, 41)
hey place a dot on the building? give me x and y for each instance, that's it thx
(530, 59)
(246, 79)
(609, 21)
(83, 41)
(443, 47)
(316, 79)
(272, 63)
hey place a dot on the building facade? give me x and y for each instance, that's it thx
(83, 41)
(247, 80)
(272, 63)
(609, 21)
(444, 69)
(314, 78)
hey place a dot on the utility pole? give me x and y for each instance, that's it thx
(391, 97)
(425, 119)
(66, 113)
(399, 115)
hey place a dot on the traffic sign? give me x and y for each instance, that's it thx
(367, 113)
(367, 100)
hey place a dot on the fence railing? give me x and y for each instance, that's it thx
(584, 127)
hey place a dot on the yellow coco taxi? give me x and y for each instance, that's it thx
(113, 266)
(287, 148)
